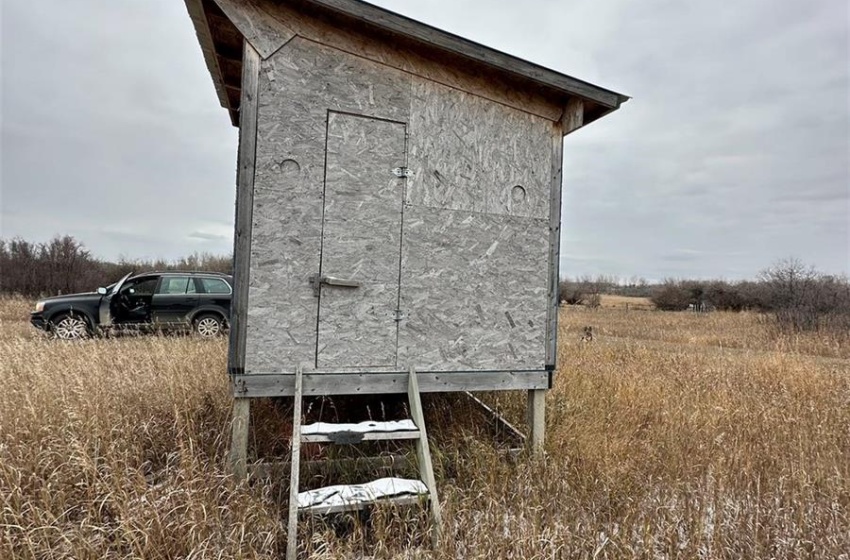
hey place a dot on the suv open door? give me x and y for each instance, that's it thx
(105, 315)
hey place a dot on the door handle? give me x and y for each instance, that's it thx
(334, 281)
(316, 282)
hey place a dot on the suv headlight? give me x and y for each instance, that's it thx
(39, 306)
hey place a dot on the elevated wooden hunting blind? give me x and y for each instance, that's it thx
(398, 201)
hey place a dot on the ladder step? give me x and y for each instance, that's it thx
(325, 432)
(351, 497)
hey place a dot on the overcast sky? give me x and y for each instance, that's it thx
(734, 151)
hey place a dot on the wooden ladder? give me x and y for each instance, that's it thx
(336, 499)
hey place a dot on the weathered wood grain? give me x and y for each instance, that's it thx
(294, 471)
(239, 437)
(536, 420)
(262, 30)
(244, 210)
(573, 117)
(571, 120)
(423, 455)
(554, 268)
(283, 384)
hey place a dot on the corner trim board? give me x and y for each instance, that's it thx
(554, 247)
(244, 209)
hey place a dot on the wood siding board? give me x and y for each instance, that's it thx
(573, 117)
(468, 153)
(264, 32)
(283, 385)
(571, 120)
(244, 210)
(360, 242)
(404, 26)
(557, 143)
(298, 85)
(473, 290)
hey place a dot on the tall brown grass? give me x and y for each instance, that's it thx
(661, 443)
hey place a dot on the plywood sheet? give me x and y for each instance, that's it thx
(474, 291)
(475, 259)
(264, 32)
(413, 61)
(467, 153)
(361, 242)
(297, 87)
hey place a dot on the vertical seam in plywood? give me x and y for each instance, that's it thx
(401, 240)
(322, 236)
(405, 193)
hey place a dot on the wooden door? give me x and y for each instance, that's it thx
(358, 283)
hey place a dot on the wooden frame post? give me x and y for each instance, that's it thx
(571, 120)
(536, 420)
(239, 438)
(242, 255)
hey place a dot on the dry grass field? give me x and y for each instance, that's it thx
(671, 435)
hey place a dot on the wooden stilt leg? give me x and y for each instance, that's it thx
(536, 419)
(239, 438)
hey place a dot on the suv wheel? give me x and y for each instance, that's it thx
(209, 326)
(70, 327)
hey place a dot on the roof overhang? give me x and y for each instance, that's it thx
(221, 44)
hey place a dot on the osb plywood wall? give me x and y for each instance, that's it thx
(461, 247)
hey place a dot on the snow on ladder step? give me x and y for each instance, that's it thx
(355, 433)
(348, 497)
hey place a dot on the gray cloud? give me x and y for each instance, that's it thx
(732, 154)
(205, 236)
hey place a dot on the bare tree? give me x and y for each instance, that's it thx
(803, 299)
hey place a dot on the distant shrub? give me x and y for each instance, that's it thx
(802, 299)
(570, 292)
(671, 296)
(724, 296)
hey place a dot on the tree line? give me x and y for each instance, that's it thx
(796, 295)
(799, 297)
(63, 265)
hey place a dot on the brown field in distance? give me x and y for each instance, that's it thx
(671, 435)
(626, 302)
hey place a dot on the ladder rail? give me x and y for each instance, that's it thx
(423, 455)
(292, 530)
